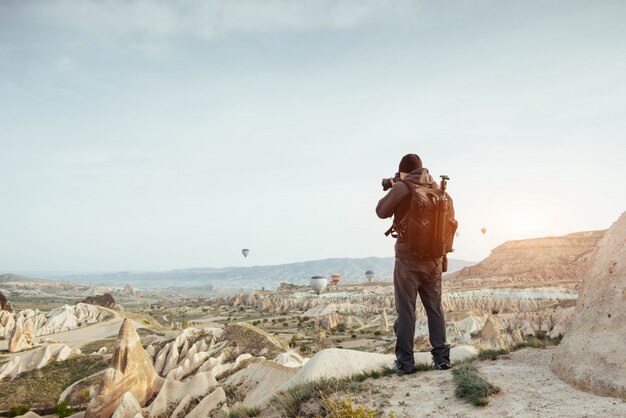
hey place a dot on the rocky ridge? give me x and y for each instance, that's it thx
(22, 328)
(537, 310)
(550, 259)
(36, 359)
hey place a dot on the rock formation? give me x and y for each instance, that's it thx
(131, 371)
(259, 381)
(491, 334)
(128, 407)
(64, 318)
(129, 290)
(329, 321)
(213, 349)
(5, 305)
(357, 302)
(374, 299)
(384, 322)
(7, 323)
(320, 341)
(592, 354)
(23, 335)
(175, 396)
(534, 260)
(348, 322)
(36, 359)
(338, 363)
(105, 300)
(290, 359)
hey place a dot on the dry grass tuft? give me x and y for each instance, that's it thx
(471, 386)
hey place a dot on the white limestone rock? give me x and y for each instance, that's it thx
(23, 335)
(209, 404)
(128, 407)
(173, 392)
(36, 359)
(592, 354)
(290, 359)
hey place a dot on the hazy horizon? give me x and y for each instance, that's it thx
(152, 136)
(52, 273)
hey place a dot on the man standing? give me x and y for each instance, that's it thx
(412, 274)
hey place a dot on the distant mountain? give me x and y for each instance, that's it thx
(255, 277)
(14, 278)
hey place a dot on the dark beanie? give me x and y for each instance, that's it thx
(409, 163)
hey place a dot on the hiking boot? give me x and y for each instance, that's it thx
(444, 365)
(400, 370)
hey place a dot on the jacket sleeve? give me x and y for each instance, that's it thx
(391, 200)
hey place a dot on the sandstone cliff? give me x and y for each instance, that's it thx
(549, 259)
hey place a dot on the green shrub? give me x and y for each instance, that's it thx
(471, 386)
(18, 410)
(62, 409)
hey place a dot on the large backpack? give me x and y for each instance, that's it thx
(431, 224)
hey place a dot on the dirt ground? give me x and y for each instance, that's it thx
(527, 389)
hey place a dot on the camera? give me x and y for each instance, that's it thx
(387, 184)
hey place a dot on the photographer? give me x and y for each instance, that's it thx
(412, 274)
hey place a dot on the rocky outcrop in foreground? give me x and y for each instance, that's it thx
(593, 354)
(131, 377)
(200, 365)
(550, 259)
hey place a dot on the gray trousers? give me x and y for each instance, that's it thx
(411, 277)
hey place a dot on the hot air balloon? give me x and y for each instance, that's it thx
(483, 230)
(245, 252)
(318, 284)
(457, 233)
(334, 279)
(369, 274)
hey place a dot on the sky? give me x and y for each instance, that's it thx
(155, 135)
